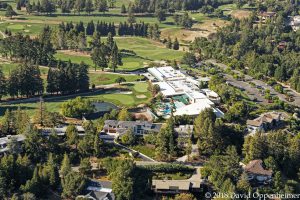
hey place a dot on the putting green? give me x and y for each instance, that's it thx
(140, 87)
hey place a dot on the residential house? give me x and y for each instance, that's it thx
(256, 172)
(4, 142)
(265, 122)
(61, 130)
(98, 190)
(116, 128)
(295, 22)
(175, 186)
(264, 16)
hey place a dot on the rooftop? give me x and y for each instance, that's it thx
(255, 167)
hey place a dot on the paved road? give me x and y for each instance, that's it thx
(253, 92)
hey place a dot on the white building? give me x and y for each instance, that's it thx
(4, 141)
(174, 83)
(295, 22)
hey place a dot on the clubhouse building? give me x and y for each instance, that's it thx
(181, 92)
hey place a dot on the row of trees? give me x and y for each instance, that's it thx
(22, 48)
(102, 27)
(67, 78)
(25, 80)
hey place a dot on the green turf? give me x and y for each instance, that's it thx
(146, 50)
(140, 87)
(115, 97)
(8, 67)
(105, 79)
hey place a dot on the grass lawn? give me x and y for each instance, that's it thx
(105, 79)
(8, 67)
(129, 63)
(140, 87)
(115, 97)
(148, 151)
(147, 50)
(28, 28)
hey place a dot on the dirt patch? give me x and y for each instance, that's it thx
(198, 30)
(141, 96)
(240, 14)
(75, 53)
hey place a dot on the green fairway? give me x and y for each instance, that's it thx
(105, 79)
(147, 50)
(127, 98)
(29, 28)
(8, 67)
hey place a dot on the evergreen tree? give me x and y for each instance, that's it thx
(123, 9)
(65, 166)
(3, 90)
(169, 43)
(9, 11)
(89, 7)
(176, 44)
(115, 57)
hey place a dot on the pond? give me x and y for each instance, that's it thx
(104, 106)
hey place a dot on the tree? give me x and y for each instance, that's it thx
(3, 83)
(189, 59)
(89, 7)
(115, 57)
(72, 135)
(131, 18)
(243, 185)
(10, 12)
(85, 166)
(184, 196)
(128, 138)
(122, 180)
(99, 58)
(176, 44)
(160, 15)
(97, 145)
(65, 166)
(123, 9)
(73, 183)
(124, 115)
(189, 149)
(169, 43)
(77, 107)
(102, 6)
(120, 80)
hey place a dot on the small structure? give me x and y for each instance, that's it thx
(98, 190)
(266, 121)
(264, 16)
(61, 131)
(295, 22)
(184, 131)
(256, 172)
(116, 128)
(211, 95)
(4, 141)
(175, 186)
